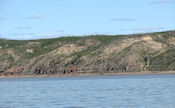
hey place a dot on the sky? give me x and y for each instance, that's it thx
(36, 19)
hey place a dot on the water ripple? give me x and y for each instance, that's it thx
(143, 91)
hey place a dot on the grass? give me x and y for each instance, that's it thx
(163, 61)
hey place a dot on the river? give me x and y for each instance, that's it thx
(122, 91)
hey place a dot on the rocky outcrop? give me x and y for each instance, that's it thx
(40, 71)
(14, 71)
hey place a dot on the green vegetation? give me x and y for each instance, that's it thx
(164, 61)
(150, 51)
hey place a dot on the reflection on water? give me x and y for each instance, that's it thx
(127, 91)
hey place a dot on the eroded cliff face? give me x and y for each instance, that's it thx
(67, 55)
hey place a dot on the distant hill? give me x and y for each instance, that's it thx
(89, 54)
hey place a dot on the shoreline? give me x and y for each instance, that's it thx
(90, 74)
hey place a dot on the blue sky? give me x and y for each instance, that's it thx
(34, 19)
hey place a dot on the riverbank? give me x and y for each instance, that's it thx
(90, 74)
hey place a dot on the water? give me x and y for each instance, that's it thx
(125, 91)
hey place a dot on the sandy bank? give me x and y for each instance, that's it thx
(90, 74)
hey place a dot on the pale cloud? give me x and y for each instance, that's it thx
(38, 16)
(29, 33)
(2, 18)
(60, 31)
(23, 28)
(107, 33)
(150, 28)
(98, 33)
(123, 19)
(50, 35)
(122, 29)
(12, 14)
(19, 34)
(16, 34)
(160, 2)
(26, 37)
(54, 35)
(23, 37)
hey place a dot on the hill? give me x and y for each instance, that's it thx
(89, 54)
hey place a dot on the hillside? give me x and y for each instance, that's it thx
(89, 54)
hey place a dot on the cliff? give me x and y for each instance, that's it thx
(89, 54)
